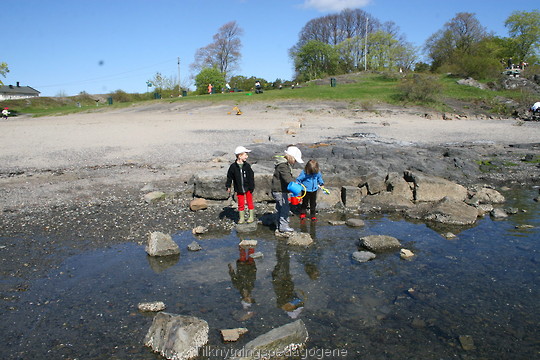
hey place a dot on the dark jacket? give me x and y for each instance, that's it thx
(243, 178)
(282, 175)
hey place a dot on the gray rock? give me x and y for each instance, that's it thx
(152, 306)
(329, 201)
(194, 246)
(378, 243)
(398, 186)
(177, 337)
(499, 213)
(154, 196)
(488, 196)
(355, 222)
(432, 188)
(300, 239)
(363, 256)
(386, 201)
(210, 184)
(160, 244)
(285, 339)
(454, 212)
(375, 184)
(198, 204)
(352, 195)
(246, 227)
(198, 230)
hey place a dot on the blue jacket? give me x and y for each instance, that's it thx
(310, 181)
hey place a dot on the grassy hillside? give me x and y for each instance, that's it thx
(364, 90)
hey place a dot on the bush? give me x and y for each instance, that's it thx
(420, 87)
(120, 96)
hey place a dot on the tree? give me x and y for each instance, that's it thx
(3, 70)
(224, 53)
(458, 37)
(524, 29)
(387, 53)
(209, 76)
(163, 83)
(315, 59)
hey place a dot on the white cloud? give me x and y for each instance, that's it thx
(335, 5)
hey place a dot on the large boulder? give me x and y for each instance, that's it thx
(177, 337)
(397, 185)
(432, 188)
(329, 201)
(210, 184)
(287, 340)
(446, 211)
(352, 195)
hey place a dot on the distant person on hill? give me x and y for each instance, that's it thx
(210, 88)
(5, 113)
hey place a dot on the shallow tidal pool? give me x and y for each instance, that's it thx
(471, 297)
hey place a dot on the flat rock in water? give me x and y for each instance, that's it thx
(300, 239)
(378, 243)
(355, 222)
(194, 246)
(247, 227)
(363, 256)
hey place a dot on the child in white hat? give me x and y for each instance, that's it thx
(280, 181)
(241, 174)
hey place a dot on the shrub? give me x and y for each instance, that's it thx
(120, 96)
(420, 87)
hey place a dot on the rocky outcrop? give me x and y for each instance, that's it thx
(177, 337)
(446, 211)
(432, 188)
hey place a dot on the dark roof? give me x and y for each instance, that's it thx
(13, 89)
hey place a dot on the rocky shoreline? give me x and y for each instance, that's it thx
(116, 213)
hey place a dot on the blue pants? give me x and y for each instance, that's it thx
(282, 209)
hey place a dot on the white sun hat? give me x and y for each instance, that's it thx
(295, 153)
(240, 150)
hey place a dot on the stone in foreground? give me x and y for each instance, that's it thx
(288, 340)
(177, 337)
(160, 244)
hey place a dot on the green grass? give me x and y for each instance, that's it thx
(361, 90)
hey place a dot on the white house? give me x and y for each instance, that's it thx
(13, 92)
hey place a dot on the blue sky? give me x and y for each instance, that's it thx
(99, 46)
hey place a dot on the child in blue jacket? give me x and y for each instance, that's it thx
(311, 178)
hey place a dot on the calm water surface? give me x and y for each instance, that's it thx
(482, 284)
